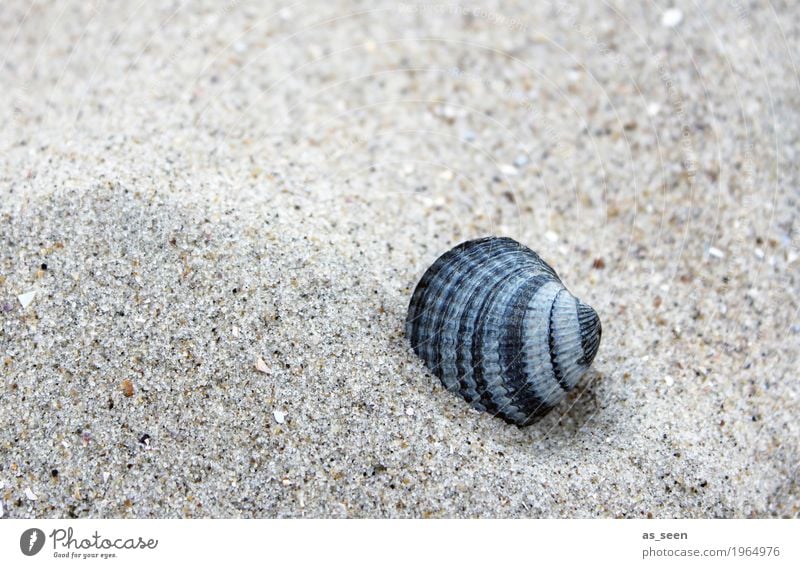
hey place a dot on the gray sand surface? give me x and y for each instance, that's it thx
(188, 189)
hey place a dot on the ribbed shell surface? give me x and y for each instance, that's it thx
(494, 322)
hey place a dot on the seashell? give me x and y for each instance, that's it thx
(494, 322)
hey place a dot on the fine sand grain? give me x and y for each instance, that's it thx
(212, 217)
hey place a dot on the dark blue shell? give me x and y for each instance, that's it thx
(494, 322)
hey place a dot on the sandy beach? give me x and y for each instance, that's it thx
(213, 215)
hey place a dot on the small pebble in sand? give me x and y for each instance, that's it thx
(521, 161)
(598, 264)
(26, 298)
(671, 18)
(715, 252)
(279, 415)
(127, 388)
(653, 109)
(409, 411)
(30, 494)
(508, 169)
(551, 237)
(261, 366)
(669, 380)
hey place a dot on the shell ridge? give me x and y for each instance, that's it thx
(591, 331)
(497, 394)
(511, 347)
(472, 379)
(551, 341)
(567, 335)
(459, 321)
(466, 362)
(426, 323)
(515, 363)
(541, 383)
(423, 289)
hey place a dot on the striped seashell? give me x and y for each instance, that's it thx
(494, 322)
